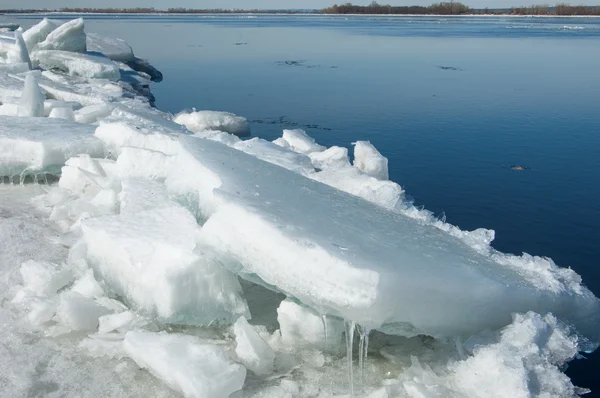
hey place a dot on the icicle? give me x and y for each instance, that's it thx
(324, 318)
(46, 179)
(350, 325)
(459, 348)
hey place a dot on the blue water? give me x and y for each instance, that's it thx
(515, 91)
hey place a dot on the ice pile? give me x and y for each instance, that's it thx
(222, 264)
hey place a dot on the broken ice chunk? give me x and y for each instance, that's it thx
(90, 65)
(32, 99)
(19, 54)
(69, 36)
(79, 313)
(88, 286)
(188, 364)
(115, 49)
(368, 159)
(251, 349)
(298, 141)
(334, 156)
(199, 121)
(62, 113)
(44, 278)
(32, 145)
(148, 258)
(38, 33)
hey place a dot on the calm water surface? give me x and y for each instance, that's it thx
(450, 101)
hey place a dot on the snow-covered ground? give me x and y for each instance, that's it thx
(148, 254)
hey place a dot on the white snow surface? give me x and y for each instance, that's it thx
(122, 280)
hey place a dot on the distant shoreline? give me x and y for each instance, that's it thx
(268, 13)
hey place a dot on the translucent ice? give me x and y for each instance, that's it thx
(251, 349)
(79, 313)
(19, 54)
(62, 113)
(188, 364)
(115, 49)
(303, 327)
(32, 99)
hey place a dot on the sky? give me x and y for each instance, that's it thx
(248, 4)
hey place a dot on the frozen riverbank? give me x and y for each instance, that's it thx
(279, 228)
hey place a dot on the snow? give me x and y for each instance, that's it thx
(198, 121)
(69, 36)
(368, 159)
(299, 236)
(115, 49)
(256, 355)
(90, 65)
(38, 33)
(33, 145)
(188, 364)
(146, 163)
(32, 99)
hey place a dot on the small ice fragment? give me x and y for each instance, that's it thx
(62, 113)
(252, 350)
(199, 121)
(79, 313)
(188, 364)
(300, 142)
(111, 322)
(44, 278)
(32, 99)
(87, 286)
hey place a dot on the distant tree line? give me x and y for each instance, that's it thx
(151, 10)
(444, 8)
(559, 9)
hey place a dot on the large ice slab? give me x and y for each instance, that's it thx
(90, 65)
(115, 49)
(69, 36)
(146, 256)
(345, 256)
(10, 88)
(32, 145)
(188, 364)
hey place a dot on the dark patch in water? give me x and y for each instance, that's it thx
(302, 63)
(442, 67)
(285, 122)
(240, 44)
